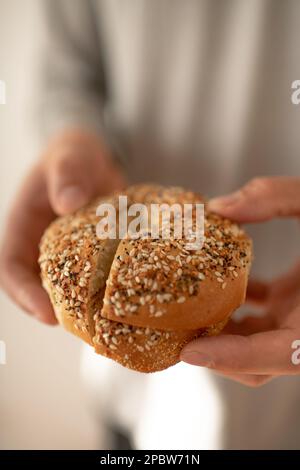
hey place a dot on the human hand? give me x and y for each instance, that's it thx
(74, 168)
(257, 349)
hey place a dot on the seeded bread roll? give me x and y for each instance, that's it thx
(172, 288)
(140, 301)
(144, 349)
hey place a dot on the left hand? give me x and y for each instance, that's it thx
(257, 349)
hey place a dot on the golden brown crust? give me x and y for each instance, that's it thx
(65, 318)
(145, 349)
(69, 259)
(161, 284)
(150, 287)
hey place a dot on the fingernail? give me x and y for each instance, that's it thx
(197, 359)
(218, 203)
(72, 197)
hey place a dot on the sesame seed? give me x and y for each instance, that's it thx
(158, 313)
(181, 300)
(133, 308)
(139, 331)
(140, 348)
(151, 309)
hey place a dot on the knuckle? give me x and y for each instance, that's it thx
(259, 186)
(63, 164)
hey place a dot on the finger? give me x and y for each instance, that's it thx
(257, 292)
(261, 199)
(71, 180)
(77, 169)
(24, 287)
(19, 270)
(249, 325)
(267, 353)
(247, 379)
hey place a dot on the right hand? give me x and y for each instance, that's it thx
(75, 168)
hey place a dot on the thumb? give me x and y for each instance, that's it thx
(75, 174)
(261, 199)
(70, 178)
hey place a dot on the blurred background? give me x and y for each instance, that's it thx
(41, 395)
(242, 124)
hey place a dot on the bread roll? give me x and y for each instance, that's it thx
(139, 301)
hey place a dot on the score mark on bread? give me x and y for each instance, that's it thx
(139, 301)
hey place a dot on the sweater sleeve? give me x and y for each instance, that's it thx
(72, 86)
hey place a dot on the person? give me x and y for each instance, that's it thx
(195, 93)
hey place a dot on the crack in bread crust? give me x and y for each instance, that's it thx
(140, 301)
